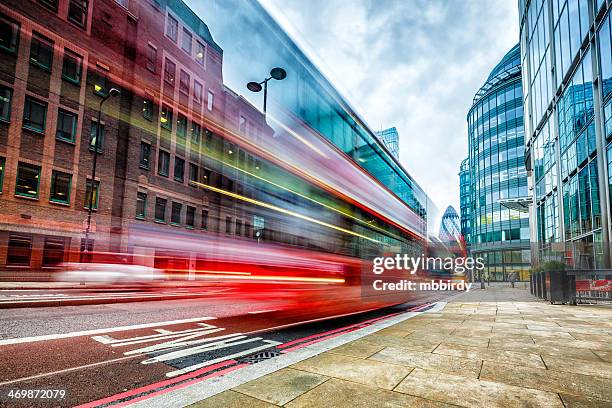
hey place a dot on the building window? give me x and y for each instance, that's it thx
(209, 104)
(9, 34)
(123, 3)
(193, 172)
(41, 52)
(160, 209)
(50, 4)
(53, 252)
(190, 218)
(175, 216)
(141, 205)
(166, 117)
(204, 219)
(170, 72)
(186, 41)
(228, 225)
(101, 84)
(184, 83)
(60, 187)
(28, 177)
(34, 114)
(93, 137)
(95, 197)
(6, 96)
(2, 162)
(197, 92)
(172, 28)
(145, 155)
(72, 67)
(77, 12)
(181, 126)
(66, 125)
(19, 250)
(179, 169)
(163, 165)
(151, 58)
(147, 109)
(238, 227)
(199, 53)
(196, 132)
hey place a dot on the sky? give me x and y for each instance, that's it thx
(412, 64)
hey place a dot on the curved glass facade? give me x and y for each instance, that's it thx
(497, 172)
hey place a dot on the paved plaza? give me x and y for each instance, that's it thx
(497, 347)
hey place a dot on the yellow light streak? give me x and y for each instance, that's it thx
(284, 211)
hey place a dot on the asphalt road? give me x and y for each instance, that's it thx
(109, 354)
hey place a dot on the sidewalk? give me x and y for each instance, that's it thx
(496, 347)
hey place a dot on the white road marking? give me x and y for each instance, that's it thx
(205, 389)
(220, 359)
(262, 311)
(99, 331)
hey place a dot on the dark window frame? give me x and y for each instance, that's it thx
(147, 109)
(8, 101)
(151, 58)
(141, 197)
(96, 196)
(167, 113)
(78, 6)
(27, 114)
(75, 118)
(15, 31)
(190, 216)
(163, 171)
(159, 202)
(176, 205)
(41, 49)
(27, 194)
(145, 162)
(93, 134)
(181, 176)
(70, 55)
(53, 191)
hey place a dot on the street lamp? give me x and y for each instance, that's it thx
(111, 93)
(276, 73)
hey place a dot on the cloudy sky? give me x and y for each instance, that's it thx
(412, 64)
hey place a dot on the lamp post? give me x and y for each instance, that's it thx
(276, 73)
(111, 93)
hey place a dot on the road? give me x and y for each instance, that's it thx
(112, 353)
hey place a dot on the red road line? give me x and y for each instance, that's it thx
(156, 385)
(365, 323)
(181, 386)
(290, 349)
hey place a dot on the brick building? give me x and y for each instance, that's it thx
(166, 135)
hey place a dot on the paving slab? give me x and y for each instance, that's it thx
(474, 393)
(281, 386)
(498, 347)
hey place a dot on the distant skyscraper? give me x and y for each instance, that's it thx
(449, 227)
(390, 138)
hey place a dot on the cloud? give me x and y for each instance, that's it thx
(413, 64)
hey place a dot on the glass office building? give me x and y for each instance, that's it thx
(567, 74)
(464, 200)
(390, 138)
(497, 172)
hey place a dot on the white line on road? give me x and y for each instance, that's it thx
(99, 331)
(205, 389)
(262, 311)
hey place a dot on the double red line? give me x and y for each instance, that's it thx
(228, 366)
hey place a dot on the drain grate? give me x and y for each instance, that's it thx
(261, 356)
